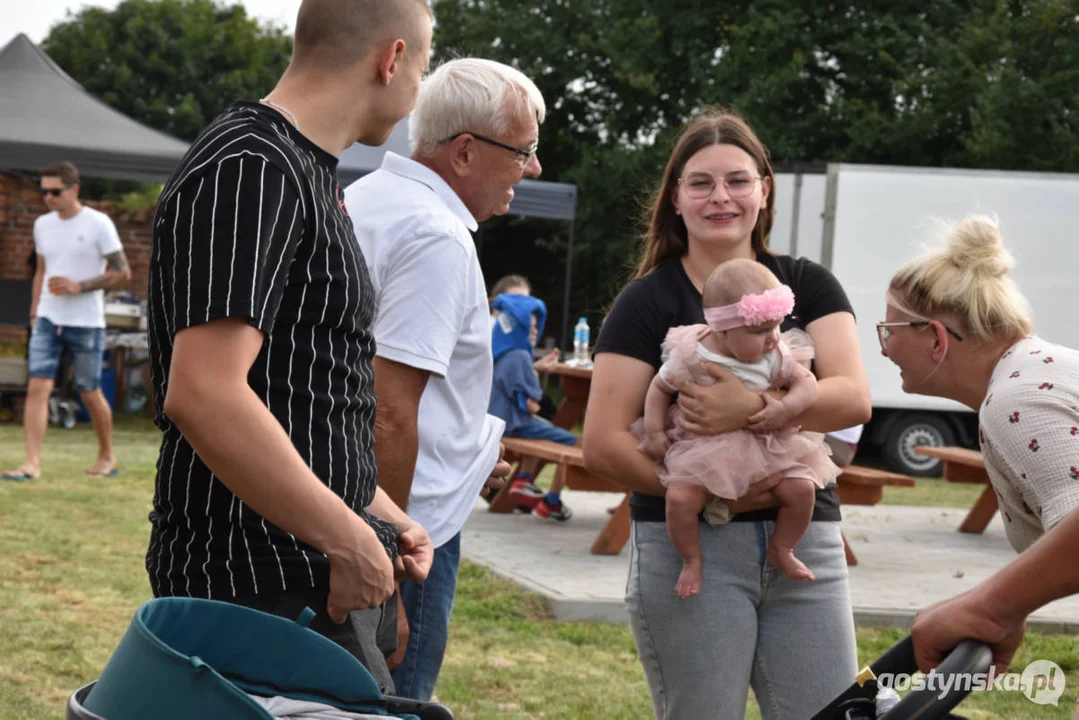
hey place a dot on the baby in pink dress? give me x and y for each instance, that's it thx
(744, 305)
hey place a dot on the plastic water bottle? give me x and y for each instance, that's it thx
(580, 342)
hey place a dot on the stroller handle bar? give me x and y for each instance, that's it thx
(930, 701)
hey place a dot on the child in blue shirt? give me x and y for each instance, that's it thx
(516, 395)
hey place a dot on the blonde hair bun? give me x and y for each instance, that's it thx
(968, 276)
(975, 246)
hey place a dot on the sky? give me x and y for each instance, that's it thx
(35, 17)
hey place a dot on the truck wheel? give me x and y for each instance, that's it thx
(908, 432)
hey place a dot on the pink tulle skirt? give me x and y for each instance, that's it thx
(728, 464)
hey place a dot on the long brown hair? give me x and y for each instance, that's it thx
(666, 234)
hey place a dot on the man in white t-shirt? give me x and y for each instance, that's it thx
(79, 256)
(474, 134)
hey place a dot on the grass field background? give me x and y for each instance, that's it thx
(71, 575)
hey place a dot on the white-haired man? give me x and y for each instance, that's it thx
(473, 134)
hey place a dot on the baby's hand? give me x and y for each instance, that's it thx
(655, 445)
(774, 415)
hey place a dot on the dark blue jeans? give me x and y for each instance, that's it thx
(428, 606)
(539, 429)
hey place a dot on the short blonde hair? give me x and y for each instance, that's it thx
(471, 95)
(733, 279)
(968, 276)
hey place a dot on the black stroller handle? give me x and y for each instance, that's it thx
(926, 703)
(933, 701)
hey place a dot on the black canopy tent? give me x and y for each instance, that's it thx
(46, 116)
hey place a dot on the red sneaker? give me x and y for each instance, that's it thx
(526, 494)
(557, 512)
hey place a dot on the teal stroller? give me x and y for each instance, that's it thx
(187, 658)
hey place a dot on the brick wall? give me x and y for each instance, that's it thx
(21, 204)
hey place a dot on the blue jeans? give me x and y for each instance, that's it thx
(49, 342)
(792, 641)
(538, 428)
(428, 606)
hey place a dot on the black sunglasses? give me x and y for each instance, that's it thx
(55, 192)
(526, 155)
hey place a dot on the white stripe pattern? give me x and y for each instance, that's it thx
(255, 190)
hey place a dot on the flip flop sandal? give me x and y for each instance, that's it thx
(18, 476)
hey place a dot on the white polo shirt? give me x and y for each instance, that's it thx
(433, 315)
(74, 248)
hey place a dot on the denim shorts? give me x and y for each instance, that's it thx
(539, 429)
(85, 345)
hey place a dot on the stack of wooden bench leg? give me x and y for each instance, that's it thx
(569, 462)
(859, 485)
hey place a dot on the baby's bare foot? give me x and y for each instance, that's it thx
(792, 567)
(689, 580)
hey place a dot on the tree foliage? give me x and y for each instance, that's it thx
(171, 64)
(960, 83)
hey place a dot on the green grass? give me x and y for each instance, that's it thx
(933, 492)
(71, 575)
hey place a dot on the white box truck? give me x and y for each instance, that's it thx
(865, 221)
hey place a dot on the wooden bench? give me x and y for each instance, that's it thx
(569, 462)
(962, 465)
(858, 485)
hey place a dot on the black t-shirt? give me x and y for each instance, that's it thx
(649, 306)
(252, 225)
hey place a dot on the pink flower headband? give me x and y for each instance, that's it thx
(768, 306)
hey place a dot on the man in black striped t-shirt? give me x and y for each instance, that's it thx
(261, 344)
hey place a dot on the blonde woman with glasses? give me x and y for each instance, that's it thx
(958, 327)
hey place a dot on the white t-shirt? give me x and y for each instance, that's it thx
(75, 249)
(849, 435)
(433, 315)
(755, 376)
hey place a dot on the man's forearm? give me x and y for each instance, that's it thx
(108, 281)
(396, 447)
(240, 440)
(117, 272)
(35, 293)
(385, 508)
(1046, 571)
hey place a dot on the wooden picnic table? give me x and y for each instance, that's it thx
(858, 485)
(962, 465)
(576, 382)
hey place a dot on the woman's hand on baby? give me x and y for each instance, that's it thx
(532, 405)
(760, 496)
(718, 408)
(655, 445)
(774, 415)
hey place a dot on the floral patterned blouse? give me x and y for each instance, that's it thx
(1029, 436)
